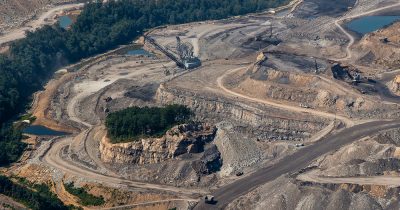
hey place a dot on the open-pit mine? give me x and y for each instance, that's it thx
(292, 109)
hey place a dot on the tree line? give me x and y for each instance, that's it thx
(139, 122)
(100, 27)
(37, 197)
(85, 198)
(11, 146)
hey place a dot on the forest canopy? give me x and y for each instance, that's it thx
(133, 123)
(37, 196)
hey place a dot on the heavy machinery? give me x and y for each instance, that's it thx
(185, 49)
(185, 59)
(186, 54)
(209, 199)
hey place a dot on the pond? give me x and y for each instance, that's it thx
(139, 52)
(64, 21)
(40, 130)
(369, 24)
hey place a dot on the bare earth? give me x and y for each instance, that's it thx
(304, 135)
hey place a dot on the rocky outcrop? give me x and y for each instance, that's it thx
(380, 49)
(182, 139)
(270, 123)
(394, 85)
(287, 193)
(209, 163)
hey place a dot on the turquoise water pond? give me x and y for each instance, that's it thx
(65, 21)
(139, 52)
(42, 131)
(369, 24)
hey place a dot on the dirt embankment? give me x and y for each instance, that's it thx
(9, 203)
(380, 48)
(132, 199)
(270, 124)
(42, 102)
(287, 193)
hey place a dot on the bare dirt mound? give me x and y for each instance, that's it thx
(303, 90)
(286, 193)
(381, 48)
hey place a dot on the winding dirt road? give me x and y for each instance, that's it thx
(295, 162)
(82, 90)
(220, 83)
(146, 203)
(393, 181)
(305, 156)
(37, 23)
(52, 157)
(351, 38)
(224, 195)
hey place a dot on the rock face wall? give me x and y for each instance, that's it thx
(210, 162)
(267, 123)
(394, 85)
(182, 139)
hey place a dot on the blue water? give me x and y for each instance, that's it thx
(139, 52)
(369, 24)
(65, 21)
(42, 131)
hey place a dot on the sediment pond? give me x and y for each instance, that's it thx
(369, 24)
(40, 130)
(65, 21)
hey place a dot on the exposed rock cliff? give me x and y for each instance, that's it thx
(182, 139)
(394, 85)
(267, 123)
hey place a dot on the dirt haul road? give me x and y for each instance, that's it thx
(295, 162)
(303, 157)
(37, 23)
(393, 181)
(52, 157)
(220, 82)
(351, 38)
(85, 87)
(229, 192)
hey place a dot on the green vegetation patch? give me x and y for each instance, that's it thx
(134, 123)
(11, 147)
(29, 117)
(85, 198)
(33, 196)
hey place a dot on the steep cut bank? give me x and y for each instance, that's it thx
(182, 139)
(381, 49)
(270, 124)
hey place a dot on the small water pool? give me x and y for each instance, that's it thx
(138, 52)
(369, 24)
(39, 130)
(64, 21)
